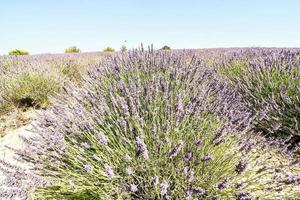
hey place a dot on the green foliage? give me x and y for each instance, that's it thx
(18, 52)
(28, 89)
(234, 70)
(123, 48)
(166, 47)
(72, 49)
(108, 49)
(72, 70)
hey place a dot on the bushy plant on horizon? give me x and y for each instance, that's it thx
(108, 49)
(145, 126)
(269, 86)
(72, 49)
(123, 48)
(18, 52)
(166, 47)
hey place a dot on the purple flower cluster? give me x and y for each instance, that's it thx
(176, 149)
(142, 148)
(244, 196)
(241, 166)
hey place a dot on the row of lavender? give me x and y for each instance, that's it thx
(269, 84)
(167, 125)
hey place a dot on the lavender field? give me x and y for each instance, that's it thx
(213, 124)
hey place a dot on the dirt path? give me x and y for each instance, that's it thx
(14, 126)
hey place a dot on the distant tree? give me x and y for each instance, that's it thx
(18, 52)
(72, 49)
(166, 47)
(108, 49)
(123, 48)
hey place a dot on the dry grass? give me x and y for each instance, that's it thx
(15, 119)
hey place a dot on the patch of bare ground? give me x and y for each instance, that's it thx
(14, 120)
(14, 125)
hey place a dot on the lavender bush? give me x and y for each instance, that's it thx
(270, 87)
(147, 125)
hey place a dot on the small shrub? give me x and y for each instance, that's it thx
(123, 48)
(166, 47)
(108, 49)
(18, 52)
(72, 49)
(72, 70)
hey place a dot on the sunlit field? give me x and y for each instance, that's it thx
(151, 124)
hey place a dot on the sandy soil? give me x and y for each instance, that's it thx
(12, 126)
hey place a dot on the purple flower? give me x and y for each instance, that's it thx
(133, 188)
(216, 197)
(241, 166)
(194, 191)
(164, 186)
(189, 173)
(129, 170)
(101, 138)
(88, 168)
(190, 176)
(185, 170)
(198, 143)
(239, 185)
(198, 191)
(176, 149)
(127, 158)
(155, 180)
(244, 196)
(292, 179)
(187, 156)
(189, 193)
(142, 148)
(222, 185)
(109, 171)
(207, 158)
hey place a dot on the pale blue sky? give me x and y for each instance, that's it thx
(51, 26)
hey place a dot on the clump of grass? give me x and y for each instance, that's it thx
(18, 52)
(28, 89)
(270, 89)
(144, 127)
(72, 49)
(72, 70)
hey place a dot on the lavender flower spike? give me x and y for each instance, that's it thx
(142, 148)
(109, 171)
(164, 188)
(176, 149)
